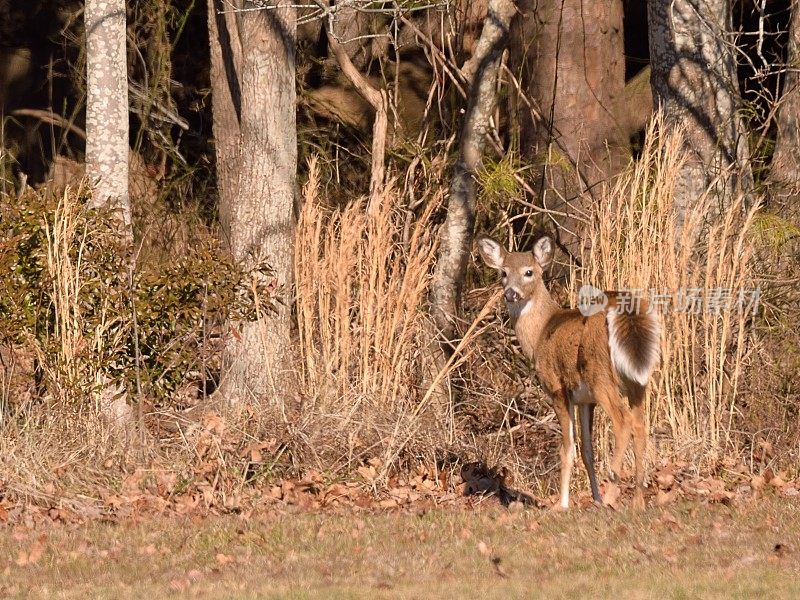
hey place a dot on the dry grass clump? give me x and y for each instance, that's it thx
(365, 338)
(700, 276)
(376, 386)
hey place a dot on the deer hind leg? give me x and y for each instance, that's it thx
(587, 453)
(636, 397)
(566, 417)
(616, 408)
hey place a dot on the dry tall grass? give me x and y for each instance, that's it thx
(362, 282)
(370, 376)
(636, 245)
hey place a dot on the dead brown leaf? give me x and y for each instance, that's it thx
(670, 556)
(611, 495)
(665, 480)
(33, 555)
(367, 472)
(668, 520)
(663, 498)
(498, 567)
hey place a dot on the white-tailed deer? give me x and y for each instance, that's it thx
(582, 360)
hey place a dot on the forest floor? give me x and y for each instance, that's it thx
(689, 549)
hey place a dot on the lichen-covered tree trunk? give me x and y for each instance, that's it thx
(253, 69)
(695, 83)
(107, 145)
(107, 155)
(569, 55)
(481, 72)
(784, 175)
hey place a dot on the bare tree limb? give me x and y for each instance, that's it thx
(482, 72)
(379, 102)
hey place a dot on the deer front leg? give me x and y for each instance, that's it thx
(587, 453)
(567, 452)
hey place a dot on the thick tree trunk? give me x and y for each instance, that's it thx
(226, 95)
(107, 144)
(695, 83)
(784, 175)
(481, 71)
(569, 55)
(256, 137)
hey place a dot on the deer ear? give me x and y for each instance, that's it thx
(543, 252)
(492, 252)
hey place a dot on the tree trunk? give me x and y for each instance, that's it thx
(784, 174)
(695, 83)
(107, 155)
(107, 144)
(569, 55)
(226, 98)
(256, 137)
(481, 71)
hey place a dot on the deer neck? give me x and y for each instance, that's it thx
(530, 317)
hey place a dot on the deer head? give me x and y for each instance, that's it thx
(521, 271)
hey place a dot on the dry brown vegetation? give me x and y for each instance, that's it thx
(376, 402)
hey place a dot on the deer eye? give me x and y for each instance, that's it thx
(503, 274)
(529, 273)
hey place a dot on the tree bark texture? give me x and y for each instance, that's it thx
(784, 174)
(695, 83)
(569, 57)
(454, 251)
(253, 79)
(107, 143)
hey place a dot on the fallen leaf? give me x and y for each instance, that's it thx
(665, 480)
(367, 472)
(777, 482)
(663, 498)
(668, 520)
(670, 556)
(180, 585)
(780, 550)
(498, 567)
(33, 555)
(611, 495)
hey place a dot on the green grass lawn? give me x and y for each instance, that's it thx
(684, 551)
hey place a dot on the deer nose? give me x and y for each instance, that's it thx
(512, 295)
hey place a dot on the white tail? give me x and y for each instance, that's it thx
(635, 344)
(606, 358)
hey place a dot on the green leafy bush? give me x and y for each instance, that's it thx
(73, 296)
